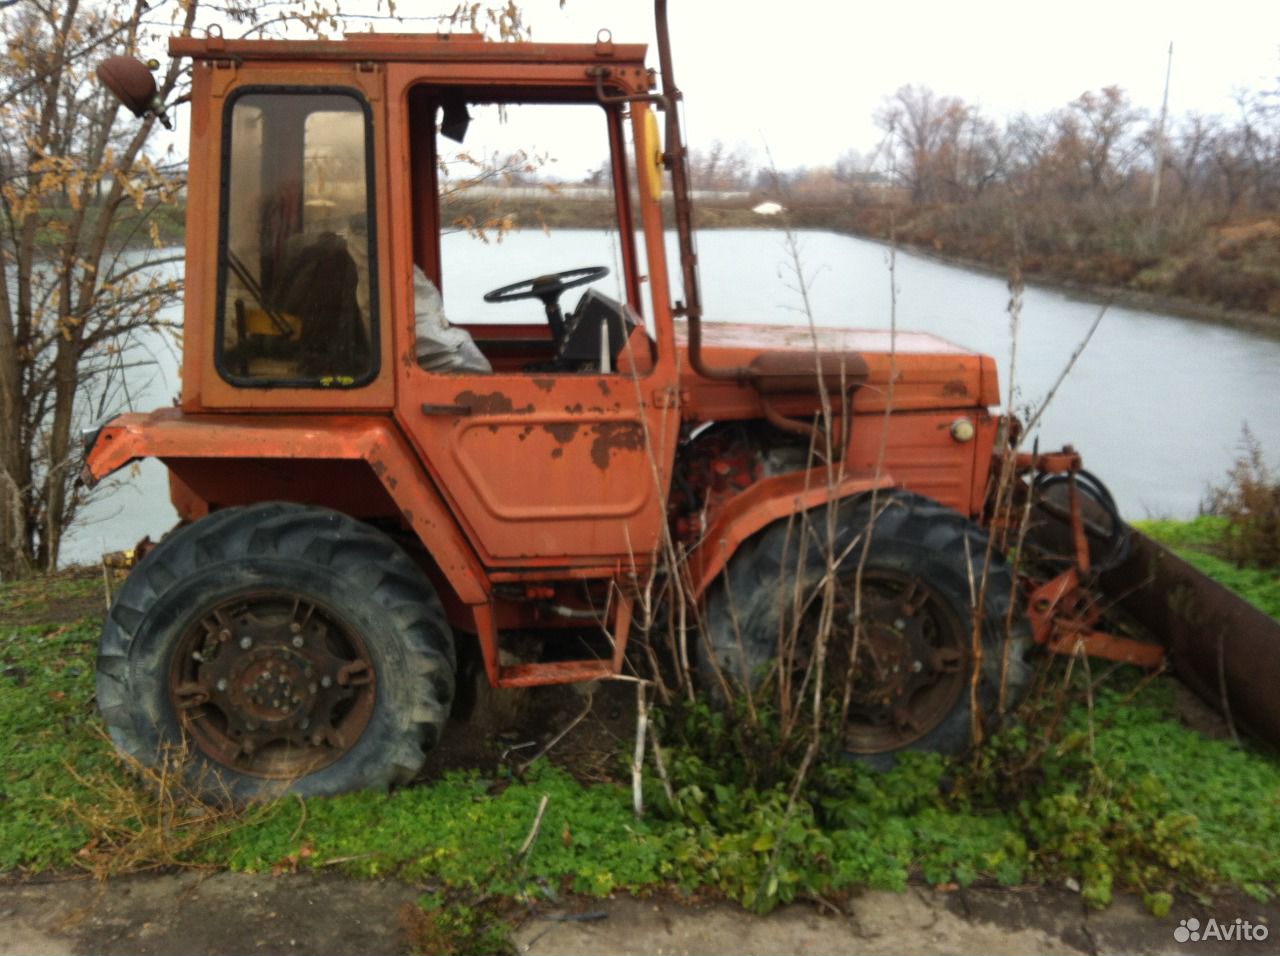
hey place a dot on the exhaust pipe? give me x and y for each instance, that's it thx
(678, 161)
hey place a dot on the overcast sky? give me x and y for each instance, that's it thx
(807, 75)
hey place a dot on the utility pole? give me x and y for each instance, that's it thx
(1164, 112)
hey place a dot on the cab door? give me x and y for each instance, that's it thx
(547, 461)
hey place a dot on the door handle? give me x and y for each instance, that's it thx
(456, 410)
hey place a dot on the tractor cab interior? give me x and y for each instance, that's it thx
(503, 183)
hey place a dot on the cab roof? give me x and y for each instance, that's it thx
(412, 47)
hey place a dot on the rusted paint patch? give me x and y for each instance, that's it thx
(626, 436)
(574, 409)
(603, 386)
(557, 453)
(562, 432)
(955, 387)
(379, 466)
(546, 384)
(391, 482)
(408, 360)
(491, 403)
(407, 515)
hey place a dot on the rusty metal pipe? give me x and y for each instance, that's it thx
(1222, 647)
(678, 158)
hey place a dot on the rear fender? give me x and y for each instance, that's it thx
(764, 503)
(170, 435)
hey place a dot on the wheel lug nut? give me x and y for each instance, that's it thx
(312, 687)
(899, 624)
(246, 643)
(295, 627)
(222, 683)
(297, 640)
(326, 681)
(224, 635)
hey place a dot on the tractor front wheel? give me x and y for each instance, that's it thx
(277, 648)
(910, 606)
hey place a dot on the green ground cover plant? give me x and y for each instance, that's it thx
(1099, 783)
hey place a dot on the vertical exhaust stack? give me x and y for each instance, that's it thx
(678, 162)
(777, 373)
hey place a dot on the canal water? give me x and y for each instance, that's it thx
(1156, 403)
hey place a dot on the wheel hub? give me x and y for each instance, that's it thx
(909, 666)
(272, 685)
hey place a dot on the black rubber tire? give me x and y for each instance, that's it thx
(912, 535)
(317, 553)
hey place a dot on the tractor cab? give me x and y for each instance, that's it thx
(372, 203)
(376, 237)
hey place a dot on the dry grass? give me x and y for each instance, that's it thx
(1250, 501)
(154, 817)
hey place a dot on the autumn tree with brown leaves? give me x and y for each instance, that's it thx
(78, 196)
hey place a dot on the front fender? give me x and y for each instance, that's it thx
(169, 434)
(763, 503)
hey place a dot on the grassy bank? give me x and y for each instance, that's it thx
(1201, 543)
(1225, 272)
(1100, 784)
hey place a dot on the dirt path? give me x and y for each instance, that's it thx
(306, 914)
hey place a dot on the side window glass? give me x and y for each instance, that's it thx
(297, 289)
(536, 274)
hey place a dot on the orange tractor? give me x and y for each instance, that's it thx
(361, 483)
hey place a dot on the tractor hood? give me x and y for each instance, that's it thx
(927, 372)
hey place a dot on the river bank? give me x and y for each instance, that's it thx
(1210, 313)
(1219, 273)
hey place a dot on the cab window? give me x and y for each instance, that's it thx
(297, 301)
(524, 245)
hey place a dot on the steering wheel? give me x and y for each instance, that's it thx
(548, 288)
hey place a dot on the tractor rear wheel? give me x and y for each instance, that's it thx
(277, 648)
(914, 663)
